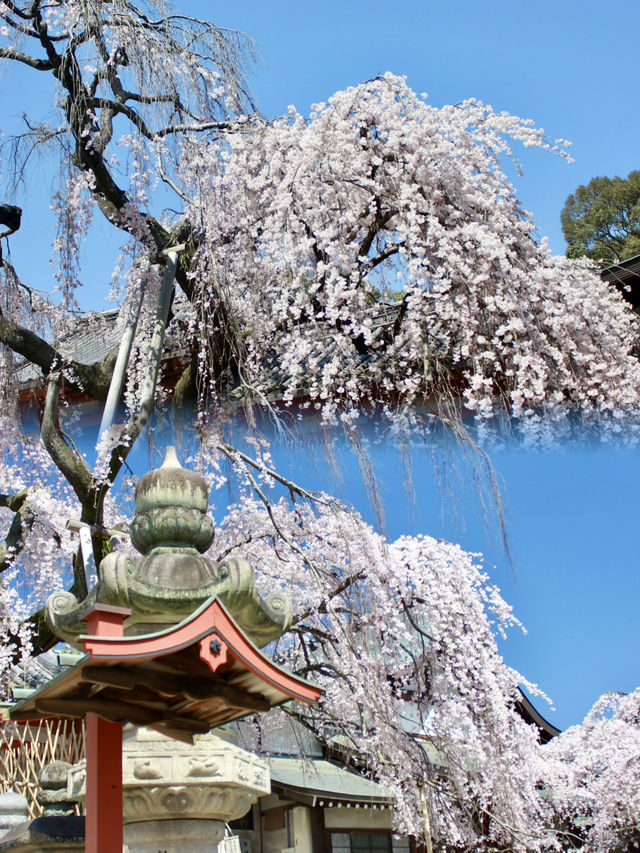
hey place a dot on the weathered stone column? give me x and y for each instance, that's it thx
(177, 797)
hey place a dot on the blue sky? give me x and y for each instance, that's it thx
(572, 67)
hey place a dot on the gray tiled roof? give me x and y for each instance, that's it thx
(92, 338)
(323, 779)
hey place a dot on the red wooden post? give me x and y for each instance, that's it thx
(106, 620)
(103, 821)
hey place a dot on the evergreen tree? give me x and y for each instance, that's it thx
(602, 219)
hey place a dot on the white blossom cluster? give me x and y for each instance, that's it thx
(592, 775)
(377, 252)
(400, 636)
(40, 562)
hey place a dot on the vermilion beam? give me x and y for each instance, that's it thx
(103, 821)
(106, 620)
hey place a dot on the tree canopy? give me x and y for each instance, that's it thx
(380, 224)
(370, 257)
(602, 219)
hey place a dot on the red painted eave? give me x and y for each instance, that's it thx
(210, 623)
(183, 680)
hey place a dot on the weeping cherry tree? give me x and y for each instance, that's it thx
(369, 258)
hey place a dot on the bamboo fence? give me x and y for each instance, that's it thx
(25, 748)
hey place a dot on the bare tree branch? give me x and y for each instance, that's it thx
(20, 526)
(91, 378)
(72, 466)
(25, 59)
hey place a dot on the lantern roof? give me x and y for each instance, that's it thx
(182, 680)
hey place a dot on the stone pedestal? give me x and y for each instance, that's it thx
(52, 795)
(13, 811)
(46, 835)
(177, 797)
(173, 836)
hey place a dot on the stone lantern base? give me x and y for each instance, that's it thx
(177, 797)
(173, 836)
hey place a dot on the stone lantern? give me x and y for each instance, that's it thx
(173, 642)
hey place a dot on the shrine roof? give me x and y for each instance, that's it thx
(625, 275)
(183, 680)
(312, 781)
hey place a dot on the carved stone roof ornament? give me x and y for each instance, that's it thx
(172, 530)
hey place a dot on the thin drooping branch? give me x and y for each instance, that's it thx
(16, 10)
(20, 526)
(378, 224)
(387, 252)
(326, 606)
(291, 543)
(233, 454)
(323, 607)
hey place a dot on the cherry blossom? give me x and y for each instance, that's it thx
(592, 775)
(376, 253)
